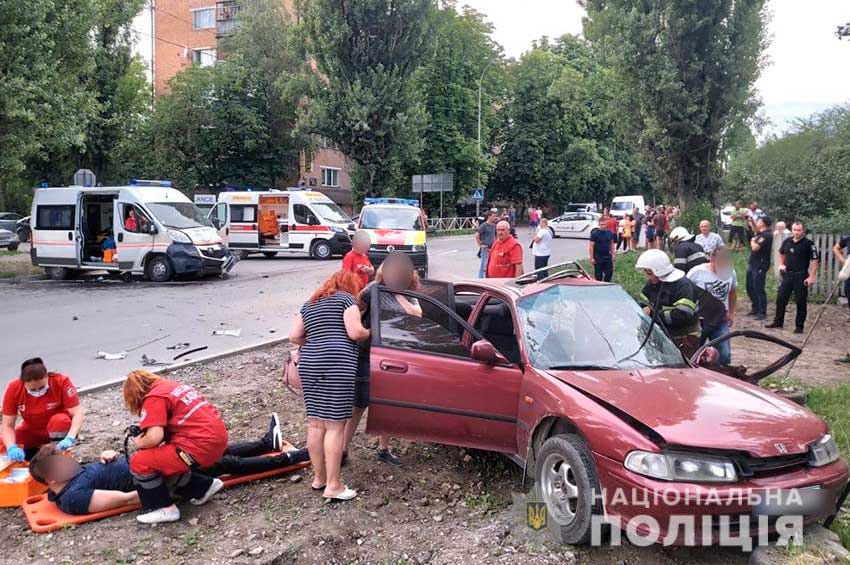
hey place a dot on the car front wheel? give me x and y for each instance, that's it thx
(159, 269)
(566, 480)
(321, 250)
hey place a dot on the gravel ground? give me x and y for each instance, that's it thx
(444, 505)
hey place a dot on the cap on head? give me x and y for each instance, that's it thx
(768, 221)
(658, 263)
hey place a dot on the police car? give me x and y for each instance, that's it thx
(395, 224)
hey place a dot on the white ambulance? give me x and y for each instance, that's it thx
(146, 228)
(282, 221)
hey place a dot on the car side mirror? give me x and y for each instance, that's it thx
(312, 221)
(484, 352)
(152, 229)
(216, 223)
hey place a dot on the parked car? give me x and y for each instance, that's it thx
(581, 207)
(570, 379)
(23, 229)
(8, 240)
(9, 221)
(575, 224)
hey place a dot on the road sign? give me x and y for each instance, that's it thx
(443, 182)
(84, 177)
(478, 195)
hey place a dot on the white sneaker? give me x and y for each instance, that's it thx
(160, 515)
(274, 429)
(214, 488)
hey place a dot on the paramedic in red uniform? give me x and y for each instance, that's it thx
(49, 409)
(357, 260)
(130, 223)
(181, 432)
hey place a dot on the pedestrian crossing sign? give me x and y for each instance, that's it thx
(478, 194)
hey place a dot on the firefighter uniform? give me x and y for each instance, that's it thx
(674, 305)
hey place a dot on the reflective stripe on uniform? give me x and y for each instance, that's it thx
(192, 411)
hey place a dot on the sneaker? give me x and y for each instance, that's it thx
(214, 488)
(160, 515)
(387, 457)
(774, 325)
(273, 437)
(798, 330)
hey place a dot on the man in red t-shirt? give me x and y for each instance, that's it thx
(505, 255)
(357, 260)
(49, 409)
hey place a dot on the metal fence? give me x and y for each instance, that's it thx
(451, 224)
(829, 267)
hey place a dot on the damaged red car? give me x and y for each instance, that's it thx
(569, 378)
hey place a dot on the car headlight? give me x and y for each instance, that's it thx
(179, 236)
(418, 248)
(686, 467)
(823, 452)
(337, 229)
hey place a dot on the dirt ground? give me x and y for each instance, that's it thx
(816, 366)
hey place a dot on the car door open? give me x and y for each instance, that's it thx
(425, 382)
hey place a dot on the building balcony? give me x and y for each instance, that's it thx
(226, 15)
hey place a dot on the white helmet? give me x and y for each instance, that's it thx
(680, 234)
(658, 262)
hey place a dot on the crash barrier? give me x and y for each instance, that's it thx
(452, 224)
(829, 268)
(44, 516)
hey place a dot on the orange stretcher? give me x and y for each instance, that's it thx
(44, 516)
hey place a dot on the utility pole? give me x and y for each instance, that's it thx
(480, 81)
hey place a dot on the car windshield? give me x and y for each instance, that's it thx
(179, 215)
(575, 327)
(390, 218)
(331, 212)
(622, 206)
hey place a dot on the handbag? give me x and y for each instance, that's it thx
(291, 379)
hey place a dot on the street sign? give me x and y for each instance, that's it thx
(478, 195)
(84, 177)
(205, 199)
(443, 182)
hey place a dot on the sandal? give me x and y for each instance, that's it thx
(318, 488)
(346, 494)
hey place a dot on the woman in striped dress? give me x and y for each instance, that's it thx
(326, 329)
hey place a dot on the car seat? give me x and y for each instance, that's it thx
(496, 325)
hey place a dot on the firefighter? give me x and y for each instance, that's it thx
(687, 252)
(671, 298)
(180, 433)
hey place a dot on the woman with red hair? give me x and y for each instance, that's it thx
(327, 329)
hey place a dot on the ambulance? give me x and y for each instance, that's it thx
(282, 221)
(395, 224)
(145, 228)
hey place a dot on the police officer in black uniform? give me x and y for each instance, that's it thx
(798, 264)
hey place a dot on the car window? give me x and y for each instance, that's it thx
(432, 332)
(55, 217)
(496, 324)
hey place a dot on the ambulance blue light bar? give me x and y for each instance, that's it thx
(408, 201)
(144, 182)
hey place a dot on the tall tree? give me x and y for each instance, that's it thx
(365, 101)
(688, 70)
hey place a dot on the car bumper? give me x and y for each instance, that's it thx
(11, 243)
(637, 503)
(419, 258)
(340, 244)
(190, 260)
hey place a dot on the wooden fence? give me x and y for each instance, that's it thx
(829, 267)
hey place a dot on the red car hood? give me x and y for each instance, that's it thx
(701, 408)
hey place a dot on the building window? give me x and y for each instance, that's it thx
(203, 18)
(203, 57)
(330, 177)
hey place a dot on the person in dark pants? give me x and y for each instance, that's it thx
(761, 247)
(798, 264)
(541, 247)
(602, 250)
(842, 250)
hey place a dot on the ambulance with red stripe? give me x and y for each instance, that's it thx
(293, 221)
(395, 224)
(145, 228)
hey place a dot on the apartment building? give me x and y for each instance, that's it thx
(186, 32)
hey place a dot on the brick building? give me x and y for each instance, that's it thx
(185, 32)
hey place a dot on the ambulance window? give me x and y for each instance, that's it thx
(303, 215)
(243, 213)
(55, 218)
(137, 222)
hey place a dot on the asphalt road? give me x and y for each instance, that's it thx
(260, 297)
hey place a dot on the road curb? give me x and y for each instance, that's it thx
(199, 361)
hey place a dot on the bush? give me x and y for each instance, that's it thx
(838, 224)
(695, 213)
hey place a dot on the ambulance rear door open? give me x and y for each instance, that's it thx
(55, 228)
(273, 221)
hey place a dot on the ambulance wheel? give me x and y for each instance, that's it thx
(321, 250)
(270, 254)
(242, 255)
(60, 273)
(159, 269)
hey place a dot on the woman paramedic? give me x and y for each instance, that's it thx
(49, 409)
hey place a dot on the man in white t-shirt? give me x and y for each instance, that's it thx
(718, 278)
(541, 246)
(707, 239)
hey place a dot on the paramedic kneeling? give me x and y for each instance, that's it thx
(181, 432)
(49, 409)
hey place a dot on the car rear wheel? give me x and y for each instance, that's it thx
(321, 250)
(566, 480)
(159, 269)
(270, 254)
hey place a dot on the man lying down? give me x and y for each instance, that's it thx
(96, 487)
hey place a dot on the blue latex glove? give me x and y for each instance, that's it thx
(66, 443)
(15, 453)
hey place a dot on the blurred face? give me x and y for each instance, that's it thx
(62, 469)
(503, 231)
(704, 227)
(132, 213)
(722, 262)
(396, 276)
(361, 242)
(798, 231)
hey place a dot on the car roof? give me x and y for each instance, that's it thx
(517, 291)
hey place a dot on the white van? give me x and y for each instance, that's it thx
(146, 228)
(282, 221)
(622, 205)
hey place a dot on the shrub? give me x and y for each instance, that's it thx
(695, 213)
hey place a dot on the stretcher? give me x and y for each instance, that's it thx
(44, 516)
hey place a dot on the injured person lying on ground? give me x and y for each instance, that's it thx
(99, 486)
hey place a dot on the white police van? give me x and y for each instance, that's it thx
(156, 231)
(290, 221)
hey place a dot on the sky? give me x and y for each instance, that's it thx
(808, 64)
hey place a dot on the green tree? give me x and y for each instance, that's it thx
(365, 101)
(687, 70)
